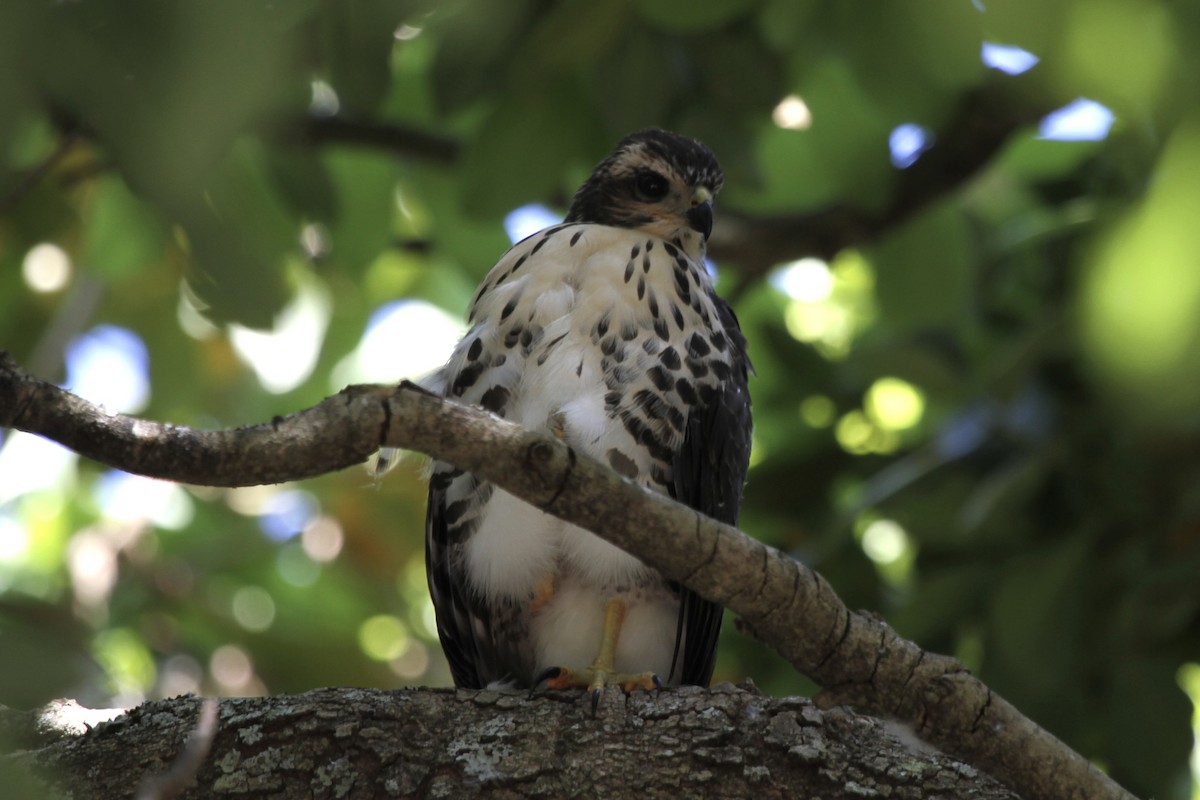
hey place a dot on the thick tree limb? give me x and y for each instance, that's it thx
(728, 742)
(857, 658)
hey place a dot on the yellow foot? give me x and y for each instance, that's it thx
(557, 422)
(600, 674)
(595, 679)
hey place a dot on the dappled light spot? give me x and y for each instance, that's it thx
(1189, 680)
(179, 674)
(1081, 120)
(808, 280)
(286, 513)
(295, 567)
(92, 564)
(250, 501)
(412, 663)
(404, 339)
(324, 101)
(190, 314)
(133, 498)
(233, 671)
(907, 142)
(828, 305)
(46, 268)
(109, 366)
(383, 637)
(314, 238)
(528, 220)
(253, 608)
(792, 113)
(1008, 58)
(14, 543)
(322, 539)
(30, 463)
(894, 404)
(406, 32)
(858, 435)
(888, 546)
(884, 541)
(127, 663)
(285, 356)
(817, 411)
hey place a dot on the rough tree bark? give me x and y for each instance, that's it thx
(857, 658)
(726, 742)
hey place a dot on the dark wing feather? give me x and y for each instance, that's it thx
(454, 613)
(709, 471)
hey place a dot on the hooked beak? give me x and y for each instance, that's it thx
(700, 215)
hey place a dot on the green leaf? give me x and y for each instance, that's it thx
(923, 272)
(940, 602)
(685, 16)
(784, 23)
(740, 74)
(913, 60)
(477, 42)
(842, 159)
(365, 185)
(239, 239)
(358, 38)
(1149, 720)
(522, 149)
(632, 82)
(1036, 620)
(123, 235)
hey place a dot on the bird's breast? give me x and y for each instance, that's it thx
(607, 338)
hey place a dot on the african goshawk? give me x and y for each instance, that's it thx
(606, 331)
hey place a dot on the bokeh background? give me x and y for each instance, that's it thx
(962, 237)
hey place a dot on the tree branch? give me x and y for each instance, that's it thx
(403, 140)
(973, 134)
(857, 658)
(984, 121)
(728, 742)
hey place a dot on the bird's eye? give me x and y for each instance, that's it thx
(651, 186)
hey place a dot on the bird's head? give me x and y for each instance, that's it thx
(655, 181)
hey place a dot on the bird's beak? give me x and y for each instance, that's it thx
(700, 215)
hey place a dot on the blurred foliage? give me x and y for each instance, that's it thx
(982, 423)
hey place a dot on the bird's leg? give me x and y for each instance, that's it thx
(600, 674)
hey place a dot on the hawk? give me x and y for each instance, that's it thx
(604, 330)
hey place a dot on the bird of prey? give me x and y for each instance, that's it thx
(604, 330)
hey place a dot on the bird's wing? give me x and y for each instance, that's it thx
(484, 640)
(457, 616)
(480, 374)
(709, 471)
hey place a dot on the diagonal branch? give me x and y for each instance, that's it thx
(856, 657)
